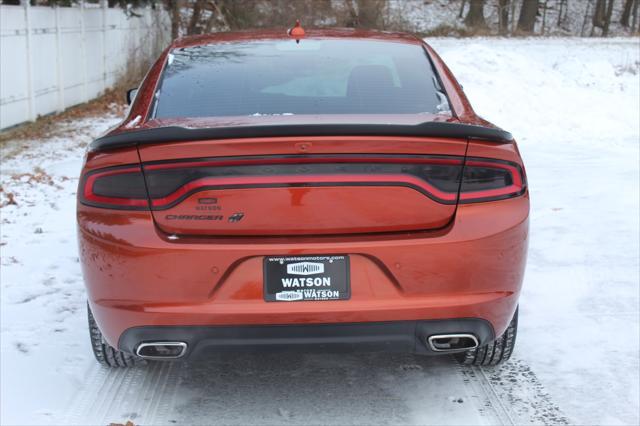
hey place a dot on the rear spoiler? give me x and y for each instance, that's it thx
(179, 134)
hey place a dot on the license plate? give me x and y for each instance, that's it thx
(303, 278)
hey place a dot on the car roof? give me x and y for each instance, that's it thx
(281, 34)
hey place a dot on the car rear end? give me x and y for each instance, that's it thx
(335, 193)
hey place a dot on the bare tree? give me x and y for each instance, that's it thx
(634, 24)
(513, 16)
(585, 19)
(462, 4)
(528, 13)
(602, 16)
(626, 12)
(195, 17)
(503, 17)
(214, 17)
(607, 19)
(365, 13)
(370, 13)
(563, 7)
(475, 16)
(173, 6)
(599, 12)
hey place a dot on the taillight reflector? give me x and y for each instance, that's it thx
(119, 188)
(490, 180)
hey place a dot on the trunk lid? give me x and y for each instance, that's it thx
(303, 185)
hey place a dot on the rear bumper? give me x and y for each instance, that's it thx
(397, 336)
(137, 278)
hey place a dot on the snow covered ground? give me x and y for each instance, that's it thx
(573, 105)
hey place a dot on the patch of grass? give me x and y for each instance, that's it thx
(49, 125)
(7, 198)
(37, 176)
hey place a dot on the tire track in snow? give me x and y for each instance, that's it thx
(95, 394)
(521, 390)
(397, 388)
(513, 393)
(95, 377)
(160, 401)
(119, 394)
(484, 396)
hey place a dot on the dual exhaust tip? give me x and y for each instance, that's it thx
(437, 343)
(161, 350)
(452, 342)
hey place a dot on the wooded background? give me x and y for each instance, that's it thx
(427, 17)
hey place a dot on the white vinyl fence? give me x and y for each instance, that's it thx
(54, 58)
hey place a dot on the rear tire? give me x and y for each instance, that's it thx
(493, 353)
(106, 354)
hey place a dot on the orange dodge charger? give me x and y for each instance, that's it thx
(320, 191)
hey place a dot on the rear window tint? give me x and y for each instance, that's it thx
(313, 77)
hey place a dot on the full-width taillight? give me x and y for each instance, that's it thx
(117, 188)
(445, 179)
(489, 180)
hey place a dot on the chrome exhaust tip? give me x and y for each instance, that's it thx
(452, 342)
(161, 350)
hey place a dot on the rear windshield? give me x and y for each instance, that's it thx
(282, 77)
